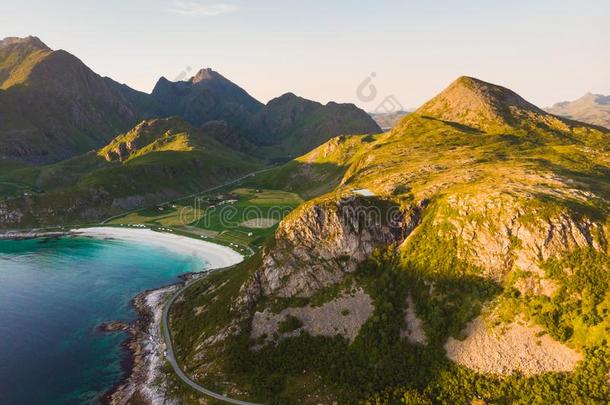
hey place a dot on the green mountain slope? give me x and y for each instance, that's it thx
(18, 56)
(52, 106)
(461, 257)
(286, 127)
(156, 161)
(292, 126)
(591, 108)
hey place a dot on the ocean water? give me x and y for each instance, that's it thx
(53, 295)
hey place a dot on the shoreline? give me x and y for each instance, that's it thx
(212, 254)
(31, 234)
(142, 357)
(142, 362)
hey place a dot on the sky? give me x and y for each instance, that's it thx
(380, 55)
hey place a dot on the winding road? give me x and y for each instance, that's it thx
(165, 316)
(209, 190)
(172, 358)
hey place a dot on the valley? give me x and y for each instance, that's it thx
(458, 256)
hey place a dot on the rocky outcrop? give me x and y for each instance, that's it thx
(151, 135)
(322, 241)
(9, 216)
(499, 234)
(518, 347)
(343, 316)
(414, 327)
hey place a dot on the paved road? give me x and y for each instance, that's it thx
(209, 190)
(172, 359)
(165, 318)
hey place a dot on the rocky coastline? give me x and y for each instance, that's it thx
(32, 234)
(144, 380)
(143, 352)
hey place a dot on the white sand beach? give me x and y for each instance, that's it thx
(216, 256)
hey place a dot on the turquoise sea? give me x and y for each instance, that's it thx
(53, 295)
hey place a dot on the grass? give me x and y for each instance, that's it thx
(171, 159)
(466, 182)
(290, 324)
(464, 177)
(222, 223)
(379, 366)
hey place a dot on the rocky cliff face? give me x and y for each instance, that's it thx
(501, 233)
(321, 242)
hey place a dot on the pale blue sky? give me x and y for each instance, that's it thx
(547, 51)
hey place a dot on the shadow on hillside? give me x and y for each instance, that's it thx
(594, 178)
(309, 180)
(456, 125)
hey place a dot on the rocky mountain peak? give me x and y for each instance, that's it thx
(18, 56)
(29, 41)
(478, 104)
(287, 96)
(289, 99)
(205, 74)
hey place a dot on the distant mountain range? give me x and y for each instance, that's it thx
(53, 107)
(389, 119)
(591, 108)
(75, 146)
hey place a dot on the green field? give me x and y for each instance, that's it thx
(230, 222)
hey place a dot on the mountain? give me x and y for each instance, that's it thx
(287, 126)
(52, 106)
(473, 103)
(387, 120)
(18, 56)
(207, 96)
(157, 160)
(294, 125)
(591, 108)
(460, 258)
